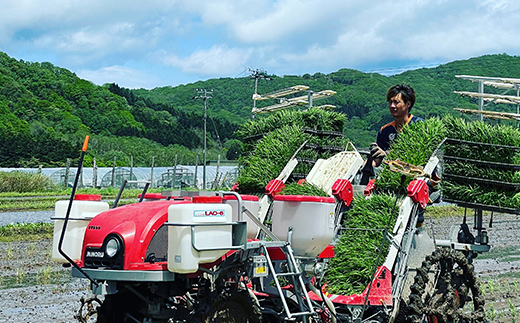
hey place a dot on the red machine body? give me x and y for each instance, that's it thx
(135, 224)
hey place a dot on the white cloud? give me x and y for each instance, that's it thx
(268, 21)
(124, 76)
(217, 60)
(430, 30)
(214, 38)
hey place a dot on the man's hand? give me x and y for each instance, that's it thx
(376, 152)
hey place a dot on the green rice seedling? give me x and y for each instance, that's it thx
(302, 189)
(361, 243)
(481, 194)
(415, 145)
(10, 252)
(501, 147)
(474, 151)
(474, 170)
(323, 120)
(491, 286)
(31, 249)
(44, 275)
(499, 137)
(282, 134)
(479, 131)
(270, 123)
(20, 275)
(512, 310)
(313, 118)
(492, 313)
(269, 157)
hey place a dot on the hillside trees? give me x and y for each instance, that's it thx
(45, 103)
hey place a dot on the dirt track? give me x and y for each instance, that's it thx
(35, 289)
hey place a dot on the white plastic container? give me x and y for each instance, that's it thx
(342, 165)
(251, 203)
(311, 218)
(183, 256)
(84, 208)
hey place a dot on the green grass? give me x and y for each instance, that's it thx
(444, 211)
(22, 182)
(34, 201)
(45, 276)
(26, 232)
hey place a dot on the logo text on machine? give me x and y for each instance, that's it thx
(209, 213)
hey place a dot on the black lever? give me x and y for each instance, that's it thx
(367, 171)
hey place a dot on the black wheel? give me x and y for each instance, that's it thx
(446, 289)
(110, 310)
(234, 307)
(118, 308)
(88, 311)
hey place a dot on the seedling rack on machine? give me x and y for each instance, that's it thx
(499, 185)
(196, 258)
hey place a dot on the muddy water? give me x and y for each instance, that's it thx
(25, 217)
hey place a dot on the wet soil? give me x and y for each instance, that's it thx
(33, 288)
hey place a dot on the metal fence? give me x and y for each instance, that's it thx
(179, 176)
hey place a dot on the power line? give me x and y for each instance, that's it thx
(204, 95)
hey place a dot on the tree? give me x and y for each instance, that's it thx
(234, 149)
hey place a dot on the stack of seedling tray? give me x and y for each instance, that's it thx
(271, 141)
(482, 175)
(363, 245)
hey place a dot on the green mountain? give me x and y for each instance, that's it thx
(46, 111)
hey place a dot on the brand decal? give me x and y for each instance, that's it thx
(209, 213)
(94, 227)
(95, 254)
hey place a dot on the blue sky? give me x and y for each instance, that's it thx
(154, 43)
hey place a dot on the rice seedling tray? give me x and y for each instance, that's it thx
(470, 180)
(484, 163)
(478, 144)
(253, 137)
(485, 151)
(306, 161)
(323, 132)
(484, 207)
(296, 177)
(332, 148)
(321, 149)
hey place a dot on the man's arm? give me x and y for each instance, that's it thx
(377, 154)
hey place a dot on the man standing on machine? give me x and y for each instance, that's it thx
(400, 98)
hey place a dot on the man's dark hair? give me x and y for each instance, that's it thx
(407, 93)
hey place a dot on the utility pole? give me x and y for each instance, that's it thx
(258, 74)
(204, 95)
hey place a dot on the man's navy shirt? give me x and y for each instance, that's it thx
(388, 133)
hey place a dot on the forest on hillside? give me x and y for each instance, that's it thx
(46, 111)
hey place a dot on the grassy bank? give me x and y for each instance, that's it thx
(36, 201)
(26, 232)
